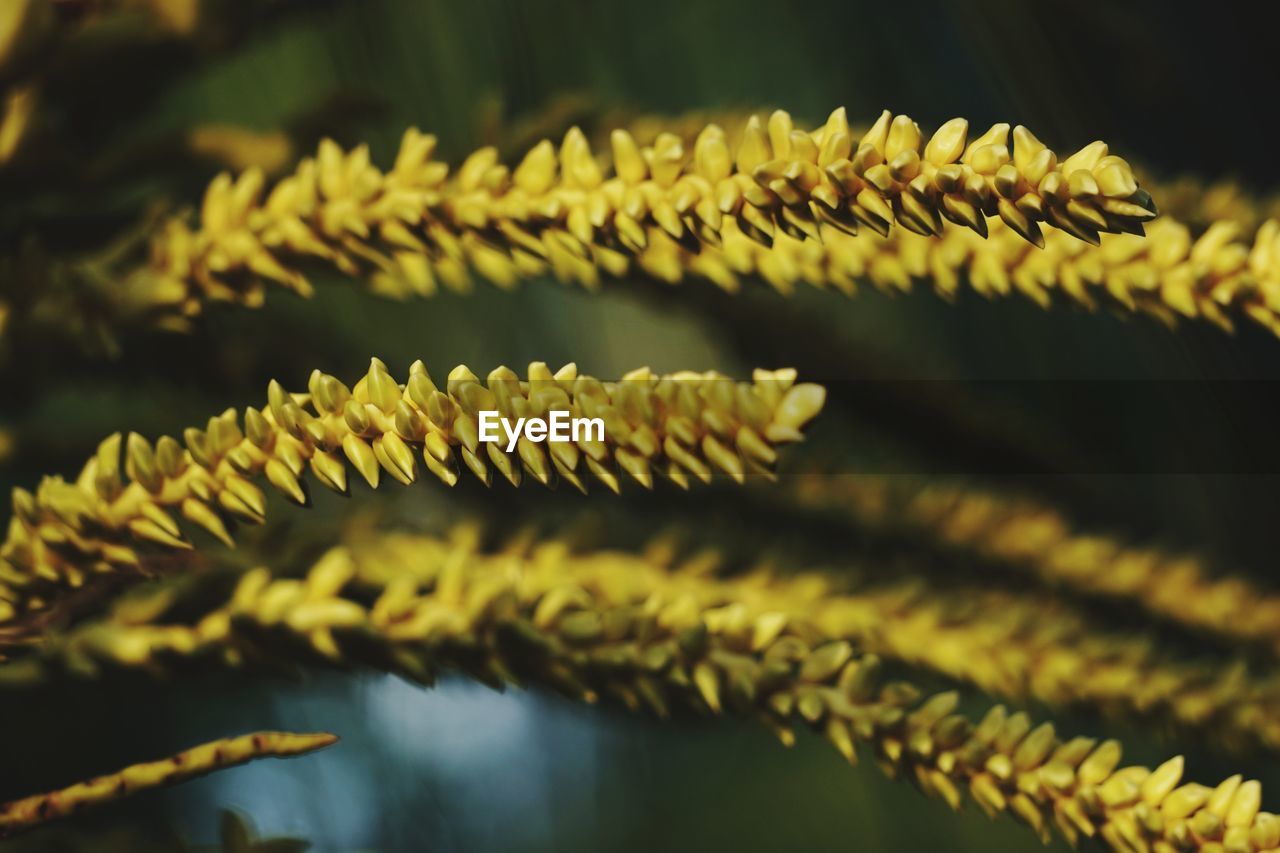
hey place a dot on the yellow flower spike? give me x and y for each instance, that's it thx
(413, 226)
(720, 645)
(1028, 536)
(1010, 645)
(675, 424)
(1219, 278)
(1198, 202)
(22, 815)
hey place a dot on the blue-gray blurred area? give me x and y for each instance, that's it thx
(1179, 88)
(461, 767)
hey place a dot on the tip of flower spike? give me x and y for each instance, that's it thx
(384, 429)
(799, 405)
(312, 741)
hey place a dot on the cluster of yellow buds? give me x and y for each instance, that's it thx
(1169, 274)
(1032, 537)
(608, 628)
(682, 426)
(1027, 647)
(1018, 646)
(415, 225)
(1200, 203)
(773, 200)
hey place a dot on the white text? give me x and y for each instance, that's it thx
(558, 426)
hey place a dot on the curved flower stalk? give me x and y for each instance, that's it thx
(1040, 540)
(607, 635)
(1220, 262)
(29, 812)
(1214, 255)
(681, 426)
(596, 226)
(1188, 198)
(1017, 647)
(1223, 275)
(1168, 274)
(1029, 648)
(1200, 203)
(415, 225)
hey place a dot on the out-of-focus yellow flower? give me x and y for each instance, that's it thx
(26, 26)
(239, 148)
(15, 118)
(1029, 536)
(610, 627)
(180, 17)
